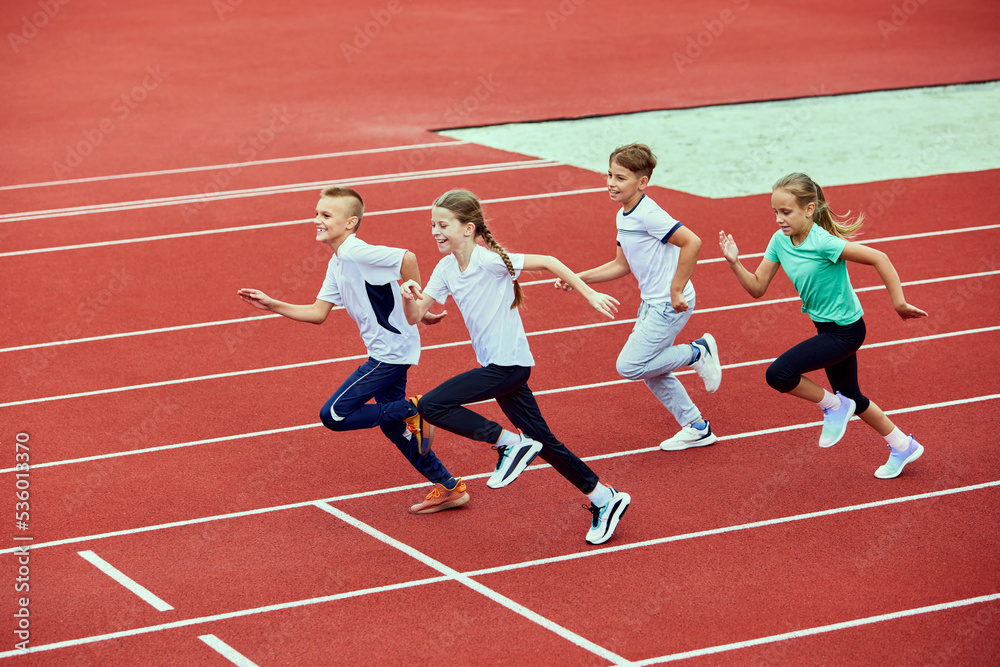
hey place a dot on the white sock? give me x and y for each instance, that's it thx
(600, 496)
(508, 438)
(898, 440)
(830, 401)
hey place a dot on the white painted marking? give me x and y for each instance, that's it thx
(227, 651)
(467, 581)
(807, 632)
(548, 281)
(221, 617)
(305, 364)
(267, 225)
(410, 487)
(235, 165)
(475, 573)
(116, 574)
(450, 172)
(838, 140)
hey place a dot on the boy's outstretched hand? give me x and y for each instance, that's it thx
(433, 318)
(564, 286)
(256, 298)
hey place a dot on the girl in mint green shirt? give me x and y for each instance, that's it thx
(813, 246)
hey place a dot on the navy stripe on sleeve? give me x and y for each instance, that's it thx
(671, 232)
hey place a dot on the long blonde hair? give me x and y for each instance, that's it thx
(467, 208)
(806, 191)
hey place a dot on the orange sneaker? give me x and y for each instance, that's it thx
(441, 498)
(423, 431)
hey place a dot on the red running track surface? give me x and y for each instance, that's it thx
(191, 458)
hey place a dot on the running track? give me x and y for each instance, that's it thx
(173, 433)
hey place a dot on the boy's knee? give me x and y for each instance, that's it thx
(628, 369)
(326, 416)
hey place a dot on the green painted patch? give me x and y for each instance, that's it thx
(742, 149)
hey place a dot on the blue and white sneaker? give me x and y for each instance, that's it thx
(898, 459)
(708, 367)
(605, 518)
(513, 460)
(689, 436)
(835, 421)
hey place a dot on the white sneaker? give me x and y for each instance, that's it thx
(689, 436)
(708, 367)
(604, 519)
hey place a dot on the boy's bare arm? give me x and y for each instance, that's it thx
(690, 245)
(314, 313)
(616, 268)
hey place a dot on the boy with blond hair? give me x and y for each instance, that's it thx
(363, 279)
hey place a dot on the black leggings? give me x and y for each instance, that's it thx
(442, 406)
(833, 349)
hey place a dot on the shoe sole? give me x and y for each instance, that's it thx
(703, 442)
(713, 351)
(515, 471)
(451, 504)
(843, 431)
(909, 459)
(613, 521)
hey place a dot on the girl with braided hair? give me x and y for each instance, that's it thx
(483, 282)
(813, 246)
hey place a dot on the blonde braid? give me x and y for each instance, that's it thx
(467, 209)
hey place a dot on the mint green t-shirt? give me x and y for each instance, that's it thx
(818, 274)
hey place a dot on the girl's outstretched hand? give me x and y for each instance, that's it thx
(728, 247)
(604, 304)
(256, 298)
(908, 312)
(410, 290)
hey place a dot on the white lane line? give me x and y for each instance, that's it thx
(116, 574)
(423, 485)
(475, 573)
(267, 225)
(145, 332)
(289, 429)
(221, 617)
(235, 165)
(548, 281)
(467, 581)
(321, 362)
(449, 172)
(807, 632)
(227, 651)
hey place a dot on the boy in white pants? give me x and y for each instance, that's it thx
(661, 253)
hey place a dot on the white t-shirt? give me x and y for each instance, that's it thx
(644, 234)
(484, 292)
(362, 278)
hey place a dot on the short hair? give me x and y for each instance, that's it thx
(358, 208)
(637, 158)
